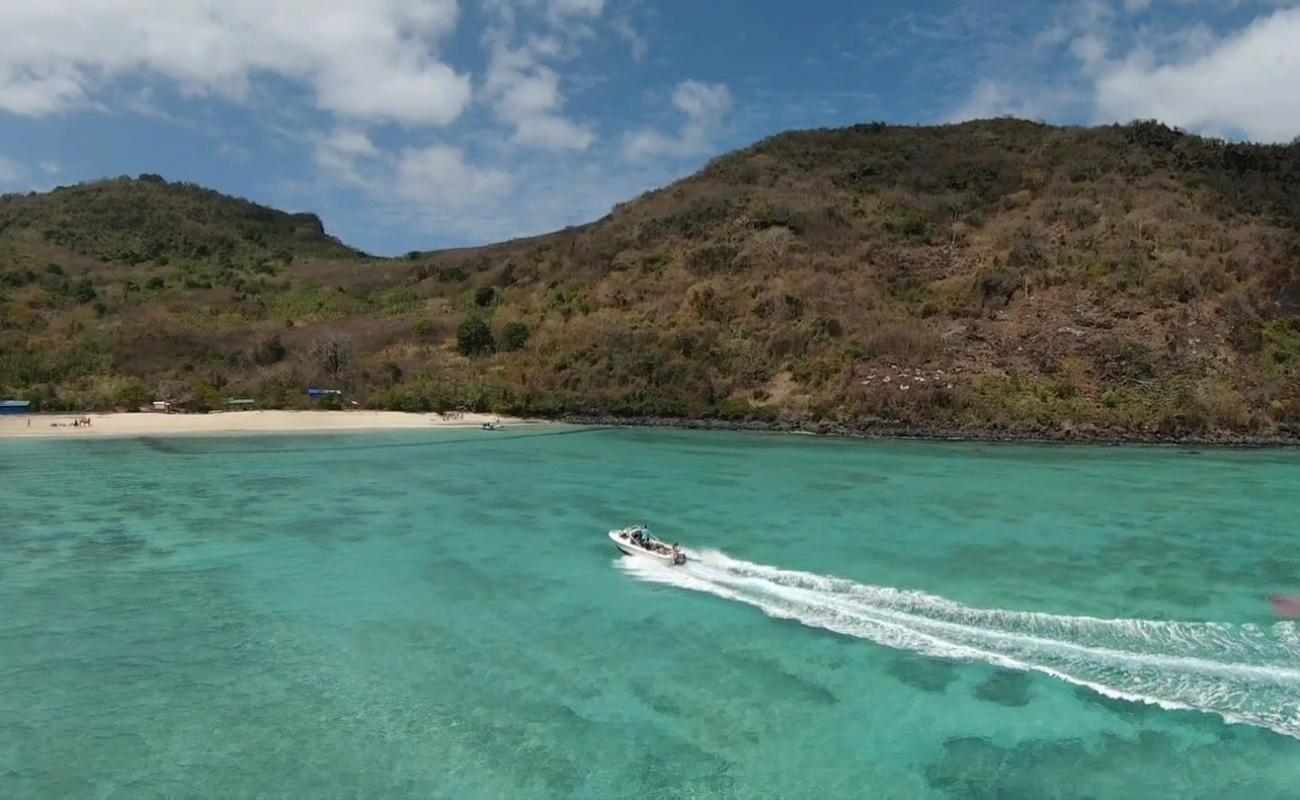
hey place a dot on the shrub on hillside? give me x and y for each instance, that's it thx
(83, 291)
(514, 337)
(133, 395)
(474, 338)
(271, 351)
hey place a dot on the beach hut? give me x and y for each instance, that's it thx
(162, 406)
(239, 403)
(316, 395)
(8, 407)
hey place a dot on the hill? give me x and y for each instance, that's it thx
(992, 276)
(151, 220)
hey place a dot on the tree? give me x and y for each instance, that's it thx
(484, 296)
(132, 396)
(474, 338)
(514, 336)
(334, 352)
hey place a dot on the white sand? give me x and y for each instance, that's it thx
(233, 422)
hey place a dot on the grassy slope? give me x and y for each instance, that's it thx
(1008, 274)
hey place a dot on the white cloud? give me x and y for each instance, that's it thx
(440, 175)
(1236, 84)
(622, 28)
(522, 89)
(10, 172)
(1243, 83)
(1090, 49)
(374, 60)
(703, 104)
(342, 152)
(526, 94)
(50, 167)
(433, 176)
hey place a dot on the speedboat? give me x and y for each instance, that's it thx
(637, 540)
(492, 425)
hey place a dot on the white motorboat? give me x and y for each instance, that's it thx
(637, 540)
(492, 425)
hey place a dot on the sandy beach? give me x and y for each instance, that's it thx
(232, 422)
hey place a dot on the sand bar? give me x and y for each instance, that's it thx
(233, 422)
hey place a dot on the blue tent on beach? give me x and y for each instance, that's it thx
(15, 406)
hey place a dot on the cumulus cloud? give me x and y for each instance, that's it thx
(373, 61)
(703, 105)
(525, 93)
(522, 87)
(342, 154)
(1085, 65)
(1241, 84)
(437, 176)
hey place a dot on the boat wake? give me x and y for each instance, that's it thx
(1245, 673)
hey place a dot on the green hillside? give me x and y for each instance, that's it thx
(993, 276)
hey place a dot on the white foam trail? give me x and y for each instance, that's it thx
(1244, 673)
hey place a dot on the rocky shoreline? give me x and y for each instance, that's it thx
(1087, 435)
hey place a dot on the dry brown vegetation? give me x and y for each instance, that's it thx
(1000, 274)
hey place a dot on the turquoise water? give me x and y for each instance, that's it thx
(440, 614)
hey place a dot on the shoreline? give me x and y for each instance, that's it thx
(1041, 435)
(233, 423)
(289, 422)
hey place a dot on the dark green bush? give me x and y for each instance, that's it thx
(83, 291)
(474, 338)
(330, 402)
(515, 336)
(133, 395)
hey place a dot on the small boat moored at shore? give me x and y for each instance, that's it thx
(637, 540)
(492, 425)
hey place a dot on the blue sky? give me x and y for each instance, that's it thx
(429, 123)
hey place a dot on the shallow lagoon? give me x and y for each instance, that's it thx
(439, 614)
